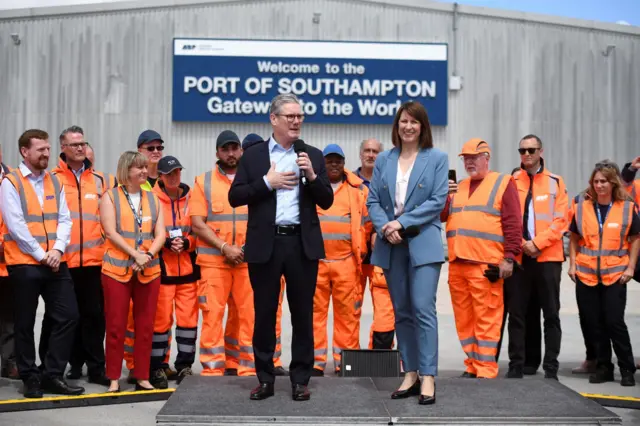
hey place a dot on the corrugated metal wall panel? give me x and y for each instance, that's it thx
(111, 73)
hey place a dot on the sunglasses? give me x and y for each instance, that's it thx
(531, 151)
(605, 166)
(155, 148)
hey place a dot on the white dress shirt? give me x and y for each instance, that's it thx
(14, 216)
(402, 183)
(287, 200)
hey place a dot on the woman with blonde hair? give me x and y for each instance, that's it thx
(603, 253)
(134, 229)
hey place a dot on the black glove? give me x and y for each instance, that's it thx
(492, 273)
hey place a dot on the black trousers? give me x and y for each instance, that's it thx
(7, 344)
(602, 307)
(56, 288)
(543, 278)
(300, 274)
(88, 345)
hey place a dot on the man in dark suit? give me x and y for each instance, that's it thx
(283, 238)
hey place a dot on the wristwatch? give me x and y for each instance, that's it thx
(149, 254)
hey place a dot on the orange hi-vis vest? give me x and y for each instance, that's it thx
(3, 262)
(474, 226)
(633, 189)
(116, 263)
(41, 221)
(343, 224)
(229, 224)
(550, 207)
(603, 253)
(86, 247)
(177, 268)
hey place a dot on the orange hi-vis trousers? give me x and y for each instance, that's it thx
(382, 329)
(231, 345)
(216, 287)
(338, 281)
(478, 308)
(181, 299)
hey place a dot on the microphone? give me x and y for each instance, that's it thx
(298, 147)
(409, 232)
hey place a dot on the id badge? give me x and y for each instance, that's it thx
(173, 233)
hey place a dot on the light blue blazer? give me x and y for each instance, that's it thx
(426, 197)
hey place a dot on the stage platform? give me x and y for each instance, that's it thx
(366, 401)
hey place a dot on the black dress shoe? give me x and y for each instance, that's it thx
(74, 373)
(406, 393)
(300, 393)
(263, 391)
(280, 371)
(428, 399)
(32, 388)
(551, 375)
(231, 372)
(467, 375)
(99, 379)
(515, 373)
(529, 370)
(317, 373)
(58, 386)
(627, 378)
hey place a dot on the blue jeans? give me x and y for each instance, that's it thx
(413, 294)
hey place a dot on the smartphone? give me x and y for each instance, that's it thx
(452, 175)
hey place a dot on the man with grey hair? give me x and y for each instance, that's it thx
(283, 186)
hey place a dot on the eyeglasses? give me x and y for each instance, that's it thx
(76, 145)
(291, 117)
(155, 148)
(531, 151)
(605, 166)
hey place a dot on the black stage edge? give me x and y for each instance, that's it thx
(366, 401)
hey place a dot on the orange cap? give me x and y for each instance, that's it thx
(475, 146)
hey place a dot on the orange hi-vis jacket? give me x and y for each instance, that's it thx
(116, 263)
(41, 221)
(633, 189)
(603, 254)
(86, 247)
(3, 263)
(177, 268)
(474, 227)
(210, 199)
(550, 205)
(345, 225)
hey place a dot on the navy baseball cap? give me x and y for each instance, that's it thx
(250, 140)
(168, 164)
(149, 136)
(227, 136)
(333, 149)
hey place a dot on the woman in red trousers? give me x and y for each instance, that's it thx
(134, 228)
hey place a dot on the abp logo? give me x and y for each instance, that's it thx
(189, 47)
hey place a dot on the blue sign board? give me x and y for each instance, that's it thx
(337, 82)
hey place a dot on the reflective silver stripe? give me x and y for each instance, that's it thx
(231, 341)
(476, 234)
(116, 203)
(130, 334)
(98, 182)
(337, 351)
(153, 208)
(158, 352)
(468, 341)
(85, 216)
(278, 340)
(487, 344)
(187, 334)
(544, 217)
(481, 357)
(587, 270)
(202, 299)
(74, 248)
(321, 365)
(320, 351)
(207, 195)
(190, 349)
(134, 235)
(56, 188)
(164, 337)
(553, 191)
(227, 217)
(365, 219)
(336, 237)
(213, 365)
(208, 250)
(277, 354)
(212, 351)
(484, 209)
(590, 252)
(625, 222)
(246, 349)
(339, 219)
(233, 354)
(579, 209)
(117, 262)
(39, 238)
(128, 349)
(246, 363)
(154, 262)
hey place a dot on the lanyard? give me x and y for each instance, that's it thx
(600, 221)
(137, 216)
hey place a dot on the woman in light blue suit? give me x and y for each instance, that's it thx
(409, 189)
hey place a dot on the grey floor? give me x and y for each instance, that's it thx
(450, 363)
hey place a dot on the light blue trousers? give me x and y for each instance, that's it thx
(413, 294)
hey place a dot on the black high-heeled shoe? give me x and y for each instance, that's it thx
(142, 388)
(428, 399)
(115, 390)
(406, 393)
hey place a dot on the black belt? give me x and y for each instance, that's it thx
(287, 229)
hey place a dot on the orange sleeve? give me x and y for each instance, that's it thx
(560, 224)
(197, 201)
